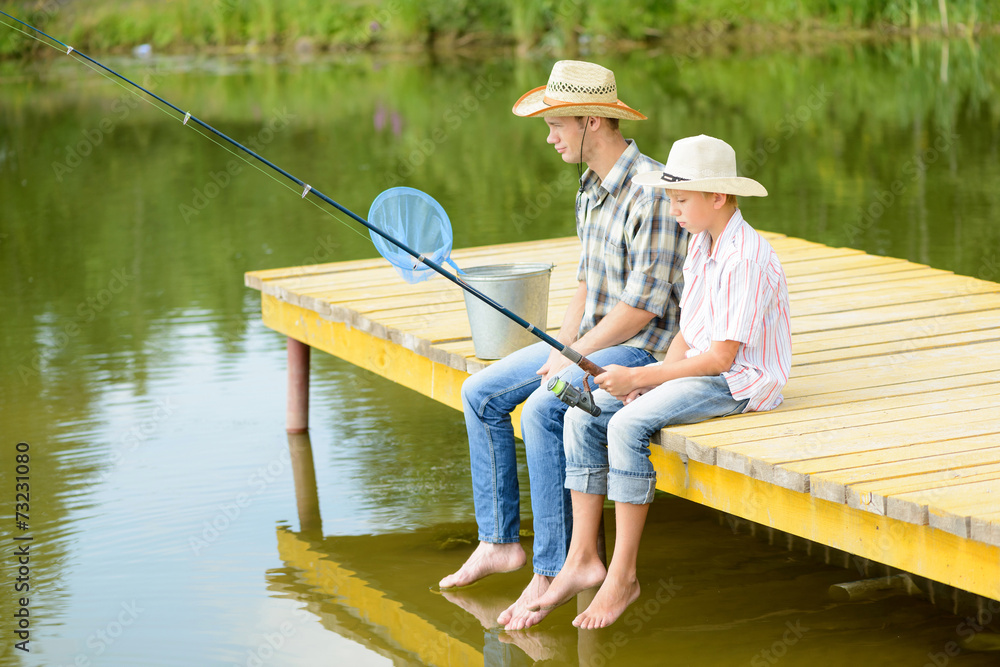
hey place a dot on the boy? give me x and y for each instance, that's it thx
(732, 355)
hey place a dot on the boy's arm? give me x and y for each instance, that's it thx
(621, 382)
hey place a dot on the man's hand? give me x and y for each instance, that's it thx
(555, 363)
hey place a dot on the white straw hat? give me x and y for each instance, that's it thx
(702, 164)
(576, 88)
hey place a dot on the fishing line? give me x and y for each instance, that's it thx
(565, 350)
(84, 61)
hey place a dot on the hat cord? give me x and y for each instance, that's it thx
(579, 165)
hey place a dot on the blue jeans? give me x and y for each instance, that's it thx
(609, 455)
(488, 398)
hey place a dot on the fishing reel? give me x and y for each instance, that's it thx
(573, 397)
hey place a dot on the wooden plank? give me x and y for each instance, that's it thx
(767, 460)
(986, 528)
(868, 488)
(794, 410)
(947, 508)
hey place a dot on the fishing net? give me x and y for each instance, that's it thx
(418, 221)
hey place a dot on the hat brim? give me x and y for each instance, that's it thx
(733, 185)
(532, 105)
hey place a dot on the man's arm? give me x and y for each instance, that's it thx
(616, 327)
(568, 331)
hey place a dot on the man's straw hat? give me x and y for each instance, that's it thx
(576, 88)
(702, 164)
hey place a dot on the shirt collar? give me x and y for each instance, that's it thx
(701, 243)
(725, 242)
(617, 179)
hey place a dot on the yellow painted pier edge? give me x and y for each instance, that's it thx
(361, 312)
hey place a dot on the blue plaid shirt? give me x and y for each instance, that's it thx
(633, 250)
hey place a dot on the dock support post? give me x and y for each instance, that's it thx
(297, 416)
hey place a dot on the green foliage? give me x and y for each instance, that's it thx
(552, 24)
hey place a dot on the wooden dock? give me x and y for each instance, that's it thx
(887, 445)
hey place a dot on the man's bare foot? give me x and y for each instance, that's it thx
(518, 616)
(572, 578)
(487, 559)
(611, 601)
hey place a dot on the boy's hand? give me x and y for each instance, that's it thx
(634, 394)
(618, 381)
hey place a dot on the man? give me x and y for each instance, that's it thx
(624, 312)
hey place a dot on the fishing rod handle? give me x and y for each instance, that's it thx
(583, 362)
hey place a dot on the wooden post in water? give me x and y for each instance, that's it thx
(297, 416)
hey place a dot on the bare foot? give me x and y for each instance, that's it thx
(572, 578)
(518, 616)
(487, 559)
(615, 596)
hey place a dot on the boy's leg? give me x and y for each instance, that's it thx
(586, 477)
(621, 586)
(632, 479)
(542, 426)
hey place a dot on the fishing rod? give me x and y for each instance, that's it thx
(563, 390)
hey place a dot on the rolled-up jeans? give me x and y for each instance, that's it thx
(609, 455)
(488, 398)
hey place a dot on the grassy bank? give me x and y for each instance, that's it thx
(561, 26)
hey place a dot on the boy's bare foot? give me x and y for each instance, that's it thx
(487, 559)
(518, 616)
(611, 601)
(572, 578)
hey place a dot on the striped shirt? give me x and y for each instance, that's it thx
(738, 292)
(633, 250)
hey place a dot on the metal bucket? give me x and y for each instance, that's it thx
(522, 288)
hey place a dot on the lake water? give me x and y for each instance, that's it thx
(163, 503)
